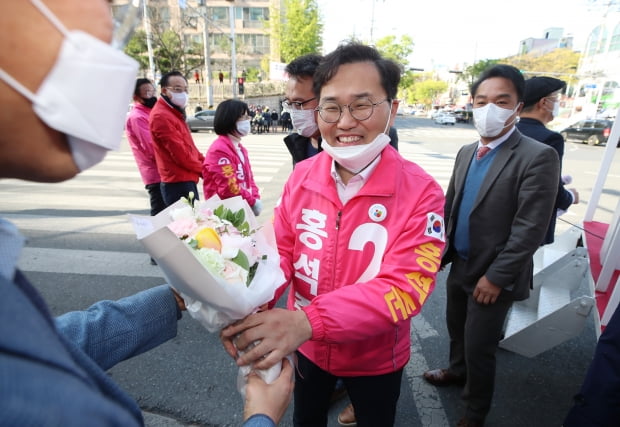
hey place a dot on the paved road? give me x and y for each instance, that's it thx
(81, 249)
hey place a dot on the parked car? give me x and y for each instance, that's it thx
(592, 132)
(445, 119)
(462, 116)
(202, 120)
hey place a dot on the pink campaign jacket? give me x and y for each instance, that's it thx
(360, 271)
(139, 137)
(224, 174)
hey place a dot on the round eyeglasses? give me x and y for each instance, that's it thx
(360, 110)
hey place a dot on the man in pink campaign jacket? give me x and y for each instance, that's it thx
(360, 235)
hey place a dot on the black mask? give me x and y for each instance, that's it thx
(149, 102)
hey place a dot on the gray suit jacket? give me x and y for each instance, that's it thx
(511, 212)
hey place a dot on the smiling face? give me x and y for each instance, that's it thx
(354, 82)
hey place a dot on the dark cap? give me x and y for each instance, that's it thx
(537, 88)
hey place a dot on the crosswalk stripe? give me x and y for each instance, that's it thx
(105, 263)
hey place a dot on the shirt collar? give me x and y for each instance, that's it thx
(496, 142)
(363, 175)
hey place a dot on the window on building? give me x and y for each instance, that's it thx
(593, 41)
(602, 44)
(219, 14)
(615, 39)
(256, 44)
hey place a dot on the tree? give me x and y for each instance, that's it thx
(471, 73)
(559, 63)
(397, 51)
(170, 50)
(425, 92)
(298, 30)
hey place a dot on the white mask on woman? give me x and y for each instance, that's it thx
(62, 103)
(489, 120)
(243, 127)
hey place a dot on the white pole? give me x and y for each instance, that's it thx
(207, 56)
(233, 55)
(149, 42)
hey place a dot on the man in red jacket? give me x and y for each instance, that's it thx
(178, 160)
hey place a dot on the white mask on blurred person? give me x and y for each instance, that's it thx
(555, 111)
(304, 122)
(490, 120)
(63, 103)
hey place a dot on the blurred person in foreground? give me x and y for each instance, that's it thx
(358, 267)
(178, 160)
(498, 205)
(52, 370)
(541, 104)
(226, 170)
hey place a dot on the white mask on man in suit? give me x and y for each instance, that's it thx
(489, 120)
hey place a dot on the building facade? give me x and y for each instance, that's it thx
(598, 90)
(244, 21)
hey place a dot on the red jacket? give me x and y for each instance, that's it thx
(362, 270)
(177, 157)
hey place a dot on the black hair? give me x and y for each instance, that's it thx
(166, 77)
(505, 71)
(303, 66)
(354, 52)
(226, 115)
(139, 83)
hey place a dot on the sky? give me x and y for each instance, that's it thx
(448, 33)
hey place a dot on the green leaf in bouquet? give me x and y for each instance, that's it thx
(252, 270)
(241, 260)
(237, 219)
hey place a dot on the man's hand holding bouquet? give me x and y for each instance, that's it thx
(214, 253)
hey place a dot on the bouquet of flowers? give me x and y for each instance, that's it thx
(214, 253)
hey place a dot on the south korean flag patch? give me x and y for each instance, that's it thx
(434, 226)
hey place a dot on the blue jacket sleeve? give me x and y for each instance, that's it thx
(259, 420)
(112, 331)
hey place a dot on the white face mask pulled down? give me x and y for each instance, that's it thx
(63, 104)
(356, 158)
(489, 120)
(304, 122)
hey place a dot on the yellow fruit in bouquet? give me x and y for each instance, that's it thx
(208, 238)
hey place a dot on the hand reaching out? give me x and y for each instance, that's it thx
(269, 399)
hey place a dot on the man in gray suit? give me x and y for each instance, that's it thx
(498, 205)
